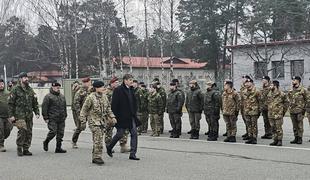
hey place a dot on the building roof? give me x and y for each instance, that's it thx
(45, 74)
(274, 43)
(156, 62)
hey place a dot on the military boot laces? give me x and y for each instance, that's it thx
(98, 161)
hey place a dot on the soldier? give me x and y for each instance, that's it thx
(114, 83)
(97, 107)
(211, 106)
(54, 112)
(163, 96)
(143, 116)
(308, 105)
(22, 103)
(10, 85)
(155, 104)
(5, 125)
(264, 107)
(194, 105)
(277, 106)
(251, 107)
(74, 89)
(298, 100)
(242, 89)
(78, 101)
(175, 103)
(230, 107)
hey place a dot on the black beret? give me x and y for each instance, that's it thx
(276, 83)
(249, 80)
(173, 84)
(297, 78)
(246, 77)
(22, 74)
(54, 84)
(98, 84)
(266, 77)
(175, 80)
(229, 83)
(155, 80)
(143, 85)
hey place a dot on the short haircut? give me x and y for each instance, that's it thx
(127, 76)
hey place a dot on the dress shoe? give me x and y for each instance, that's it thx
(109, 151)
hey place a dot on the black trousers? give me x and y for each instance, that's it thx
(133, 138)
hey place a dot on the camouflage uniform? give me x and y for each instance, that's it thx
(163, 95)
(298, 101)
(5, 125)
(251, 107)
(75, 114)
(264, 109)
(277, 106)
(22, 103)
(142, 113)
(194, 106)
(230, 107)
(175, 103)
(242, 90)
(308, 105)
(95, 110)
(155, 104)
(212, 104)
(78, 102)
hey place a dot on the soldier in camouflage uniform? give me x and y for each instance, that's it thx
(251, 104)
(163, 95)
(242, 89)
(277, 106)
(194, 106)
(77, 104)
(230, 107)
(97, 107)
(155, 104)
(54, 112)
(175, 103)
(5, 125)
(22, 103)
(308, 105)
(74, 89)
(142, 113)
(298, 101)
(264, 107)
(211, 106)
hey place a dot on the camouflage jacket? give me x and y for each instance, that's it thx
(277, 104)
(175, 102)
(308, 100)
(194, 100)
(23, 102)
(264, 100)
(54, 107)
(142, 100)
(251, 102)
(231, 103)
(155, 104)
(242, 90)
(4, 107)
(74, 90)
(96, 109)
(80, 98)
(163, 96)
(212, 102)
(109, 93)
(298, 100)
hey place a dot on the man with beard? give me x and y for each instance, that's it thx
(22, 103)
(298, 99)
(264, 107)
(54, 112)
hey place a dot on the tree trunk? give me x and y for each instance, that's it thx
(127, 35)
(147, 42)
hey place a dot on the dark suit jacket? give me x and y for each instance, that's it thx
(124, 107)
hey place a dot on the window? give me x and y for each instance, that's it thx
(260, 69)
(277, 69)
(297, 68)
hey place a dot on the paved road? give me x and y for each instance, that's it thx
(162, 158)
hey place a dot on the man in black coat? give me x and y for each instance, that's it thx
(124, 107)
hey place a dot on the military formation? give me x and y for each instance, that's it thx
(92, 104)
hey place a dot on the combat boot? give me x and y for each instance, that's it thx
(299, 140)
(225, 134)
(279, 143)
(245, 135)
(195, 134)
(227, 139)
(254, 141)
(274, 143)
(249, 140)
(295, 140)
(59, 149)
(20, 151)
(176, 135)
(124, 148)
(26, 152)
(172, 134)
(98, 161)
(2, 149)
(207, 133)
(246, 138)
(212, 137)
(267, 136)
(45, 145)
(232, 139)
(190, 132)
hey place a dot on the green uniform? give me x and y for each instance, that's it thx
(97, 107)
(155, 104)
(212, 104)
(75, 114)
(308, 105)
(194, 106)
(230, 108)
(175, 103)
(242, 90)
(142, 112)
(163, 95)
(5, 125)
(22, 103)
(264, 109)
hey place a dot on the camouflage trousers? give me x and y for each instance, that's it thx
(213, 122)
(24, 134)
(194, 120)
(176, 122)
(231, 125)
(98, 136)
(109, 135)
(75, 118)
(78, 129)
(252, 125)
(155, 123)
(56, 129)
(298, 124)
(276, 126)
(244, 120)
(161, 120)
(308, 117)
(5, 130)
(144, 118)
(267, 125)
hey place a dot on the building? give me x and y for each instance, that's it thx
(279, 60)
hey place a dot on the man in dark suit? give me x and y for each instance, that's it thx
(124, 107)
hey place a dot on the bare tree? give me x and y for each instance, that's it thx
(125, 2)
(147, 40)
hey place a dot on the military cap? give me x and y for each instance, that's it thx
(141, 83)
(22, 74)
(175, 80)
(155, 80)
(266, 78)
(276, 83)
(98, 84)
(297, 78)
(87, 79)
(249, 80)
(246, 77)
(113, 80)
(173, 84)
(55, 84)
